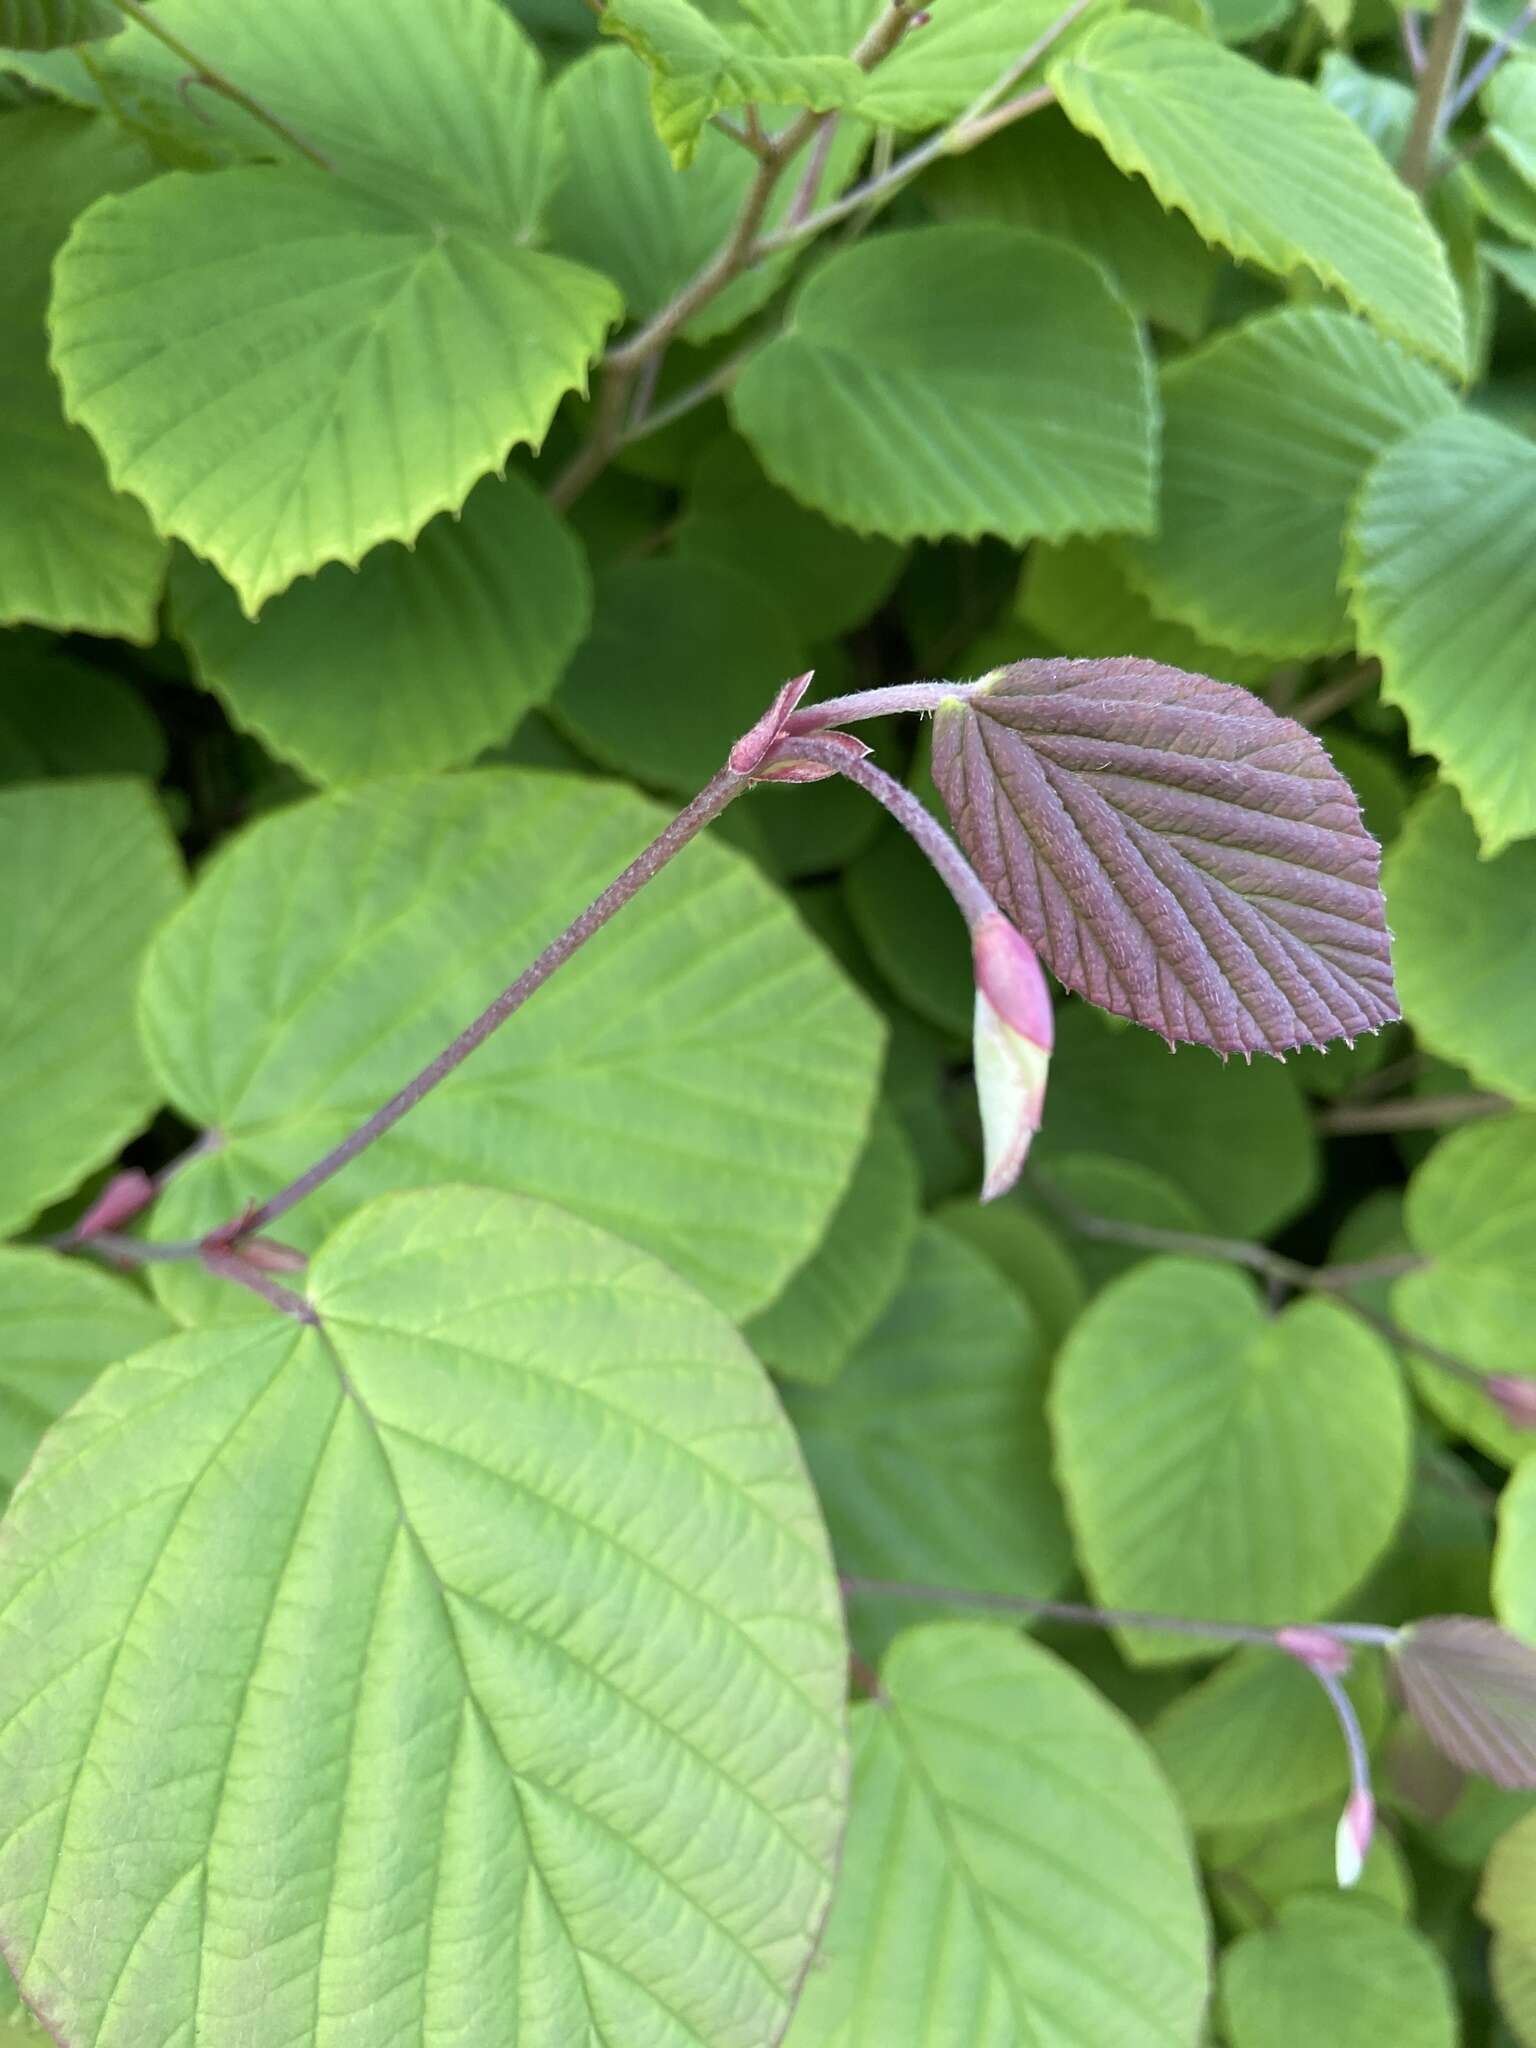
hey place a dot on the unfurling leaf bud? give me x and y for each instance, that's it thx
(752, 748)
(1352, 1842)
(123, 1197)
(783, 764)
(1013, 1037)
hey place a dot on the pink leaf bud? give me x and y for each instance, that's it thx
(1352, 1842)
(1514, 1396)
(752, 748)
(124, 1195)
(1315, 1646)
(269, 1255)
(1013, 1037)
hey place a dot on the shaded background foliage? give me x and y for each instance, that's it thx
(323, 577)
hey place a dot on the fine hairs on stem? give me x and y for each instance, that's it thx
(1075, 1614)
(1432, 106)
(804, 735)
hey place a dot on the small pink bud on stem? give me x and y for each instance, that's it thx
(785, 765)
(124, 1195)
(1352, 1842)
(1514, 1396)
(1013, 1039)
(1315, 1646)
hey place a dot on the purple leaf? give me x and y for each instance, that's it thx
(1472, 1689)
(1175, 850)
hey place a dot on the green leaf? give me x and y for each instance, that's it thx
(1269, 431)
(1471, 1212)
(1042, 174)
(1254, 1871)
(1465, 946)
(46, 24)
(1506, 1899)
(440, 113)
(1442, 566)
(1514, 1557)
(1257, 1742)
(1118, 1191)
(1510, 100)
(1015, 1870)
(929, 1450)
(956, 381)
(1030, 1256)
(418, 659)
(1079, 597)
(1266, 168)
(510, 1535)
(73, 554)
(831, 1304)
(1502, 194)
(90, 871)
(827, 579)
(18, 2028)
(940, 66)
(1383, 107)
(698, 67)
(1341, 1971)
(1242, 21)
(1236, 1138)
(318, 371)
(1512, 1967)
(1517, 267)
(58, 717)
(621, 207)
(907, 918)
(61, 1321)
(699, 1078)
(1220, 1463)
(683, 657)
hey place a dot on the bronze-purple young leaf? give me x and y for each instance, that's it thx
(1175, 850)
(1471, 1687)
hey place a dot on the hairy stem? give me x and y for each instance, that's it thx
(1349, 1723)
(1436, 84)
(1077, 1615)
(719, 379)
(1332, 696)
(1334, 1281)
(1423, 1113)
(215, 80)
(708, 804)
(861, 704)
(959, 877)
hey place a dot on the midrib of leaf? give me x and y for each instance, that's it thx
(940, 1807)
(351, 355)
(1135, 833)
(442, 1593)
(979, 1903)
